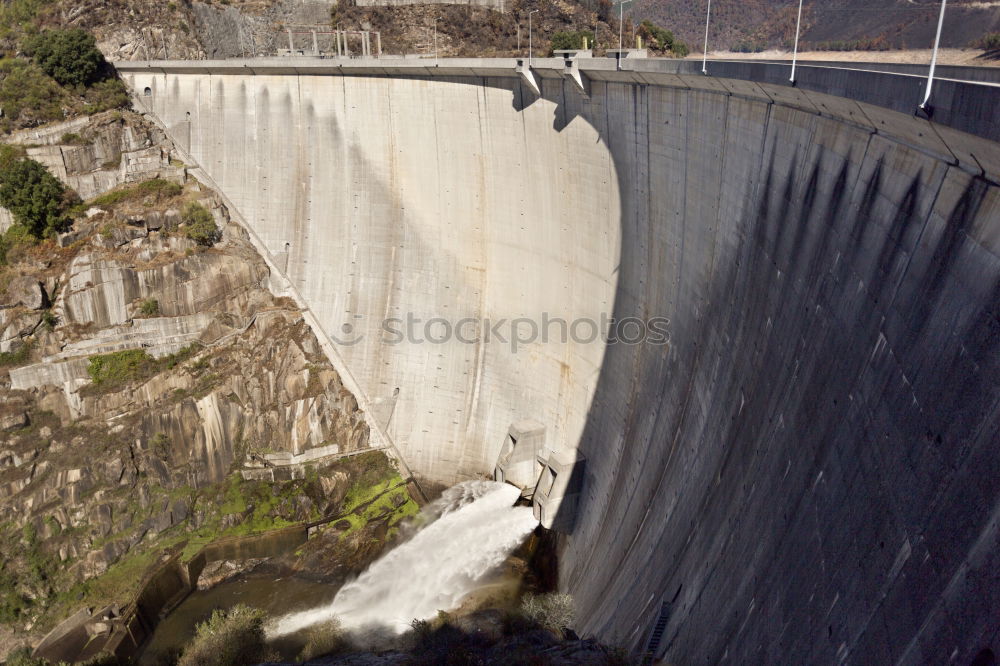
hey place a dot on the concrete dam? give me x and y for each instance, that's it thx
(805, 468)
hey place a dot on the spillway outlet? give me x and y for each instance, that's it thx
(551, 478)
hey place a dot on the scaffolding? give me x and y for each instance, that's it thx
(321, 41)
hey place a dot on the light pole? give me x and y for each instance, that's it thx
(795, 49)
(937, 41)
(529, 36)
(704, 55)
(436, 19)
(621, 22)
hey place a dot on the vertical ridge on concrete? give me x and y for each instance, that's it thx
(808, 472)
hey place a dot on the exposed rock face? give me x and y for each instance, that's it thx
(130, 30)
(90, 472)
(115, 147)
(27, 291)
(255, 380)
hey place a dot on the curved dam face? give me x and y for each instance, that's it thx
(808, 472)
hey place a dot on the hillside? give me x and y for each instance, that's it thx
(836, 25)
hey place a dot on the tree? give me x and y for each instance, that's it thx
(565, 40)
(35, 198)
(69, 56)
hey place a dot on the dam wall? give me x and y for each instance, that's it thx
(808, 472)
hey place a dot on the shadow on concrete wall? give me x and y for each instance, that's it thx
(822, 460)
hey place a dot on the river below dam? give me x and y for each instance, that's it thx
(452, 551)
(272, 594)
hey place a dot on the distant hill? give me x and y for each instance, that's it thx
(831, 24)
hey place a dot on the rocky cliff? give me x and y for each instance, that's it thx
(142, 371)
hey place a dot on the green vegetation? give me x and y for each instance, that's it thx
(378, 492)
(109, 372)
(15, 356)
(233, 507)
(28, 96)
(565, 40)
(14, 243)
(22, 657)
(170, 361)
(36, 198)
(228, 638)
(660, 39)
(120, 367)
(64, 71)
(156, 188)
(323, 639)
(104, 95)
(69, 56)
(199, 225)
(72, 138)
(150, 307)
(160, 445)
(18, 17)
(553, 611)
(990, 42)
(49, 320)
(12, 602)
(18, 587)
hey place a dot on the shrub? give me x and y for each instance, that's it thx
(18, 13)
(160, 445)
(571, 40)
(989, 42)
(14, 243)
(119, 367)
(22, 657)
(12, 603)
(657, 37)
(16, 356)
(72, 138)
(199, 225)
(27, 95)
(158, 188)
(35, 198)
(322, 639)
(553, 611)
(49, 320)
(110, 93)
(150, 307)
(69, 56)
(228, 638)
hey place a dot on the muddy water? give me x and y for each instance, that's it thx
(275, 596)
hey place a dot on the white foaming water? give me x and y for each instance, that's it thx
(475, 527)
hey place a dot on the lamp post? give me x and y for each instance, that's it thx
(621, 27)
(704, 55)
(795, 49)
(436, 19)
(621, 22)
(529, 36)
(937, 41)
